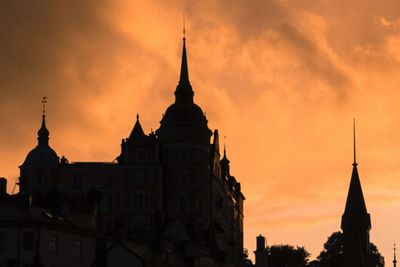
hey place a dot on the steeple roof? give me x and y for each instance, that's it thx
(42, 153)
(184, 112)
(184, 92)
(43, 133)
(355, 203)
(137, 130)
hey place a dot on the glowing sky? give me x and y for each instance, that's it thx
(281, 79)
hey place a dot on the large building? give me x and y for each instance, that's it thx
(171, 184)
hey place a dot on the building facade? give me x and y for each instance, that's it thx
(174, 173)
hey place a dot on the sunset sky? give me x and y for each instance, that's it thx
(281, 79)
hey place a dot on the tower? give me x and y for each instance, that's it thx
(356, 222)
(261, 252)
(40, 163)
(184, 140)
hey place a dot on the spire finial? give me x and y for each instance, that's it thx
(354, 142)
(184, 27)
(225, 146)
(137, 116)
(43, 133)
(44, 102)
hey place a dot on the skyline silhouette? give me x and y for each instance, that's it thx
(283, 92)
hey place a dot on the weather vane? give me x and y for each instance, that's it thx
(44, 102)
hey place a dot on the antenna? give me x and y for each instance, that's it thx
(354, 142)
(44, 102)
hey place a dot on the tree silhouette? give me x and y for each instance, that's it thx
(287, 255)
(332, 255)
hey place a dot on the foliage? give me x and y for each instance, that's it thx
(287, 255)
(332, 255)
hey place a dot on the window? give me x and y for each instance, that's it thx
(183, 202)
(139, 223)
(184, 179)
(28, 241)
(3, 240)
(108, 184)
(53, 243)
(78, 248)
(199, 203)
(183, 153)
(77, 181)
(141, 201)
(117, 201)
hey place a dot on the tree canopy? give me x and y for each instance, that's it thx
(332, 255)
(288, 255)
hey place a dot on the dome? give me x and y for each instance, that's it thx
(41, 155)
(184, 114)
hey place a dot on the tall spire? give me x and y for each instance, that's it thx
(225, 146)
(43, 133)
(394, 255)
(184, 92)
(184, 78)
(355, 199)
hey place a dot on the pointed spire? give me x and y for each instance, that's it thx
(43, 133)
(184, 92)
(184, 78)
(355, 199)
(137, 130)
(394, 255)
(225, 158)
(225, 146)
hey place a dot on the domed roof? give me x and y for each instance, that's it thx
(189, 115)
(41, 155)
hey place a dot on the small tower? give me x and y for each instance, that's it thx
(35, 171)
(261, 252)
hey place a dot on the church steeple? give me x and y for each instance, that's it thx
(355, 199)
(43, 133)
(184, 92)
(356, 221)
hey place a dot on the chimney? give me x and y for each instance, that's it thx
(3, 186)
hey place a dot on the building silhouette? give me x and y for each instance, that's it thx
(261, 252)
(356, 225)
(169, 189)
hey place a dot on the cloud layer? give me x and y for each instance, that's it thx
(281, 79)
